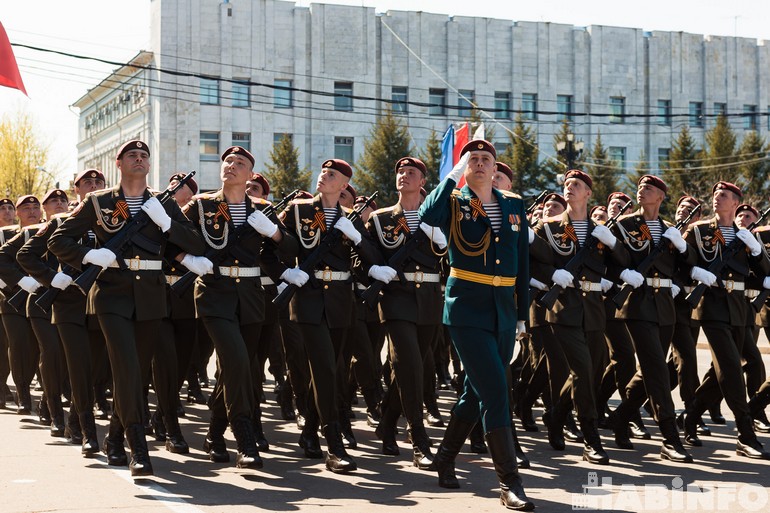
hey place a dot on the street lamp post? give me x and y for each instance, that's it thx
(570, 150)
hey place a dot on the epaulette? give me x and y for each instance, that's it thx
(703, 222)
(203, 195)
(556, 218)
(456, 192)
(346, 209)
(383, 210)
(510, 194)
(304, 201)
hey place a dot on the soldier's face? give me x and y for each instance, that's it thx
(552, 208)
(254, 190)
(724, 201)
(55, 206)
(331, 181)
(29, 213)
(183, 195)
(481, 168)
(346, 199)
(409, 179)
(576, 191)
(648, 194)
(683, 210)
(134, 162)
(235, 170)
(501, 182)
(599, 216)
(614, 206)
(7, 214)
(88, 184)
(745, 218)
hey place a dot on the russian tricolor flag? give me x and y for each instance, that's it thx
(452, 143)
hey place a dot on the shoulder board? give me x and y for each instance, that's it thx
(347, 210)
(204, 195)
(668, 223)
(304, 201)
(509, 194)
(456, 192)
(704, 222)
(383, 210)
(554, 219)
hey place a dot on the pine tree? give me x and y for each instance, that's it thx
(683, 157)
(604, 172)
(388, 141)
(529, 177)
(719, 154)
(283, 172)
(753, 169)
(431, 156)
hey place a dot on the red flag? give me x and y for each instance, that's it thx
(9, 70)
(461, 139)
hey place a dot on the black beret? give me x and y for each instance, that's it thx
(89, 173)
(54, 193)
(339, 165)
(727, 186)
(413, 162)
(654, 181)
(191, 183)
(576, 173)
(504, 169)
(261, 180)
(238, 150)
(23, 200)
(479, 145)
(132, 145)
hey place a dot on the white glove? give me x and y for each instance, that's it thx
(282, 286)
(435, 234)
(606, 285)
(200, 265)
(157, 213)
(521, 329)
(101, 257)
(459, 168)
(604, 235)
(702, 275)
(345, 225)
(751, 242)
(531, 235)
(562, 278)
(262, 224)
(29, 284)
(295, 276)
(539, 285)
(766, 282)
(382, 273)
(2, 284)
(675, 290)
(633, 278)
(61, 281)
(675, 236)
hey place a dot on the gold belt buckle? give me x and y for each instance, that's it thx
(418, 277)
(655, 282)
(585, 286)
(134, 264)
(497, 281)
(327, 275)
(729, 285)
(234, 271)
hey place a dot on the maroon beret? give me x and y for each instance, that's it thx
(746, 206)
(362, 199)
(351, 190)
(238, 150)
(619, 195)
(654, 181)
(687, 199)
(54, 193)
(191, 183)
(479, 145)
(303, 195)
(89, 173)
(132, 145)
(576, 173)
(411, 161)
(504, 169)
(727, 186)
(261, 180)
(595, 208)
(339, 165)
(29, 198)
(555, 197)
(7, 201)
(423, 192)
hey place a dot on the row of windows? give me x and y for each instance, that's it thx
(210, 145)
(696, 114)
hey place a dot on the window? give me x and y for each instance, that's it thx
(282, 94)
(618, 155)
(696, 114)
(529, 106)
(209, 145)
(399, 95)
(720, 109)
(242, 139)
(663, 156)
(437, 100)
(210, 91)
(749, 117)
(617, 109)
(343, 149)
(564, 107)
(343, 96)
(664, 112)
(465, 101)
(502, 105)
(278, 136)
(240, 94)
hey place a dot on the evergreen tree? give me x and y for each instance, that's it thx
(521, 154)
(719, 154)
(604, 172)
(388, 141)
(283, 172)
(683, 157)
(753, 169)
(431, 156)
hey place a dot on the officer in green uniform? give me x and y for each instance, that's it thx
(488, 282)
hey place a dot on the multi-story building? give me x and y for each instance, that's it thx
(248, 71)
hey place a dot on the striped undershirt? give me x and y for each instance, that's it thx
(494, 214)
(656, 229)
(412, 220)
(728, 232)
(329, 215)
(134, 204)
(581, 230)
(237, 213)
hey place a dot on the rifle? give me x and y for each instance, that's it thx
(716, 266)
(536, 202)
(45, 300)
(646, 264)
(129, 233)
(217, 255)
(576, 263)
(314, 258)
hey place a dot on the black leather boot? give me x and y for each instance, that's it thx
(248, 455)
(672, 448)
(113, 444)
(24, 401)
(175, 442)
(372, 407)
(386, 431)
(90, 445)
(337, 459)
(593, 452)
(690, 423)
(423, 456)
(286, 401)
(501, 448)
(571, 431)
(159, 430)
(140, 465)
(73, 431)
(748, 445)
(521, 458)
(637, 429)
(554, 421)
(308, 438)
(259, 433)
(476, 442)
(348, 438)
(618, 422)
(454, 437)
(715, 412)
(525, 401)
(757, 406)
(214, 444)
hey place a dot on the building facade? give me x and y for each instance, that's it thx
(248, 71)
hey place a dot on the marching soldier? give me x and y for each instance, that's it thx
(488, 281)
(7, 219)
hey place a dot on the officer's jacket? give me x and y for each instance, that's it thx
(723, 303)
(554, 246)
(139, 294)
(306, 226)
(415, 301)
(649, 302)
(475, 247)
(10, 270)
(239, 298)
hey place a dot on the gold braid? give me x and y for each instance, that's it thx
(470, 249)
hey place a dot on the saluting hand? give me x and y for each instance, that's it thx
(459, 168)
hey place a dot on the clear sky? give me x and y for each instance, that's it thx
(118, 29)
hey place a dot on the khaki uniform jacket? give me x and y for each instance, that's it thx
(420, 303)
(131, 294)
